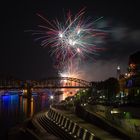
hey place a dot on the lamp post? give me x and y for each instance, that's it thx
(51, 97)
(72, 100)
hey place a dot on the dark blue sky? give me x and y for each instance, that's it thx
(21, 57)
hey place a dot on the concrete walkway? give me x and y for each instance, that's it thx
(101, 115)
(100, 133)
(39, 133)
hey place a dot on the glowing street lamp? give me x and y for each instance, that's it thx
(118, 68)
(51, 97)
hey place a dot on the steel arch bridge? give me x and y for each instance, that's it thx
(51, 82)
(61, 82)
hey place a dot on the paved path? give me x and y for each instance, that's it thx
(102, 134)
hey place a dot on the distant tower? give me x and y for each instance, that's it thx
(118, 72)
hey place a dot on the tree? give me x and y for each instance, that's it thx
(112, 87)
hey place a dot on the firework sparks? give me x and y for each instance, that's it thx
(76, 37)
(71, 69)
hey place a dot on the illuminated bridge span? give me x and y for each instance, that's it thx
(53, 82)
(61, 82)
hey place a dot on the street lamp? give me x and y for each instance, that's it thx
(51, 97)
(72, 100)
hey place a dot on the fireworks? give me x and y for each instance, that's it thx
(76, 37)
(71, 69)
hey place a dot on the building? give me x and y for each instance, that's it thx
(133, 78)
(118, 72)
(130, 81)
(134, 64)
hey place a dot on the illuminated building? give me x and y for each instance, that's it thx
(130, 81)
(134, 64)
(133, 78)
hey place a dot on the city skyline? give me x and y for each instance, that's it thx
(21, 57)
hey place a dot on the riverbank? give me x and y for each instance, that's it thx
(110, 119)
(88, 119)
(29, 130)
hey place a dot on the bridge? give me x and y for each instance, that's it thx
(49, 83)
(52, 82)
(61, 82)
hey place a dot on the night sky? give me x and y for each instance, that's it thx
(22, 57)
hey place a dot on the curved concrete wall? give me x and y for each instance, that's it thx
(70, 126)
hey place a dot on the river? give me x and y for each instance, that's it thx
(14, 108)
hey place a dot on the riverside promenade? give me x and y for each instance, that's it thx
(60, 124)
(125, 119)
(71, 125)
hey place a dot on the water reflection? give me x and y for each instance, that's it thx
(14, 108)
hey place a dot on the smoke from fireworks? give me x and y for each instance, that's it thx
(71, 69)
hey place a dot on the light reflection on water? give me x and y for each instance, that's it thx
(15, 109)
